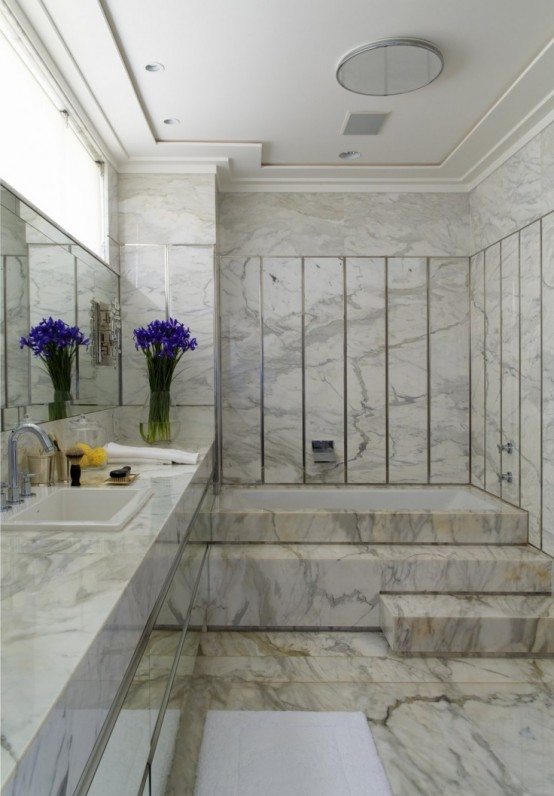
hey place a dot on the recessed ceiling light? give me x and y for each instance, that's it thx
(350, 155)
(154, 67)
(172, 120)
(391, 66)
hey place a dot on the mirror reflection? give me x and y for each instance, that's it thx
(45, 273)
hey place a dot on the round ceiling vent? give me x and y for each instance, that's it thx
(391, 66)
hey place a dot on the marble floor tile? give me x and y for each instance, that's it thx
(483, 727)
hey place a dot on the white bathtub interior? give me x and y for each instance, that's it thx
(360, 499)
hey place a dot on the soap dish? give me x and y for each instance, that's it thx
(129, 479)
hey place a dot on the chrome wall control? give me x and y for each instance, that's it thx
(507, 447)
(508, 477)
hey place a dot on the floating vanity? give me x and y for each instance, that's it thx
(76, 606)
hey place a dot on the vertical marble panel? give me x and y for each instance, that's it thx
(402, 224)
(143, 299)
(240, 369)
(407, 363)
(547, 169)
(477, 320)
(509, 198)
(16, 308)
(530, 365)
(492, 368)
(324, 363)
(191, 301)
(46, 296)
(282, 369)
(167, 208)
(366, 404)
(548, 383)
(509, 252)
(449, 370)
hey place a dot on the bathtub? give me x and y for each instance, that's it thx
(360, 499)
(354, 515)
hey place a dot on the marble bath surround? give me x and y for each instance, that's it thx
(74, 607)
(336, 515)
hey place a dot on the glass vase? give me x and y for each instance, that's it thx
(158, 423)
(58, 409)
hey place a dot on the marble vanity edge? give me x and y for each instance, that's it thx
(54, 757)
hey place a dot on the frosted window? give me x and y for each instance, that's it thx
(41, 156)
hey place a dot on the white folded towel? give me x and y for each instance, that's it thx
(127, 453)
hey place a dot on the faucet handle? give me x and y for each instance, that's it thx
(3, 505)
(26, 485)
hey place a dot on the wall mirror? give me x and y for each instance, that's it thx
(45, 272)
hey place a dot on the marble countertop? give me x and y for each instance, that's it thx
(73, 610)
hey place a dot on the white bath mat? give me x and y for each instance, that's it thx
(288, 753)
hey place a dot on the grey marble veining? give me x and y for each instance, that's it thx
(143, 299)
(448, 370)
(321, 586)
(191, 301)
(548, 383)
(406, 224)
(509, 198)
(493, 333)
(73, 610)
(167, 208)
(477, 369)
(366, 370)
(324, 363)
(281, 224)
(530, 373)
(510, 364)
(452, 726)
(547, 169)
(240, 368)
(282, 369)
(407, 370)
(459, 624)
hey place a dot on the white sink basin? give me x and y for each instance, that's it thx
(79, 509)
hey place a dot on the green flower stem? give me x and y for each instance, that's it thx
(158, 428)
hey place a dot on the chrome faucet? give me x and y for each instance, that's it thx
(15, 433)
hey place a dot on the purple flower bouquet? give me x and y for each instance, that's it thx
(55, 343)
(163, 343)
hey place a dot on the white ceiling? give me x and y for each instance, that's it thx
(253, 84)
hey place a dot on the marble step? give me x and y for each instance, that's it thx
(463, 624)
(337, 586)
(502, 524)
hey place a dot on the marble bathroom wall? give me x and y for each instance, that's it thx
(512, 325)
(366, 369)
(241, 367)
(448, 370)
(548, 383)
(166, 231)
(324, 364)
(477, 368)
(283, 444)
(351, 224)
(520, 191)
(509, 403)
(530, 378)
(366, 352)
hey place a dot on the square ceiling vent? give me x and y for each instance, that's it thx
(363, 123)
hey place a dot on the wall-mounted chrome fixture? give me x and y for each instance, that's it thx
(390, 66)
(508, 477)
(105, 332)
(323, 450)
(507, 447)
